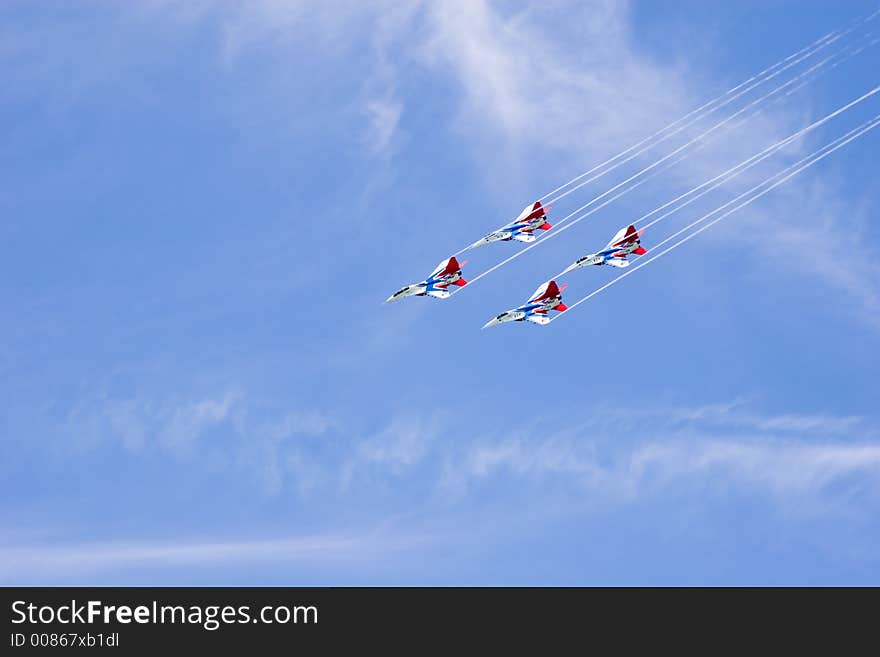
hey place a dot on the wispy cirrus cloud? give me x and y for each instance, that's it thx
(526, 90)
(798, 232)
(538, 109)
(802, 466)
(618, 453)
(784, 469)
(622, 456)
(54, 562)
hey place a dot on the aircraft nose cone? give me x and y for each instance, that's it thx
(492, 322)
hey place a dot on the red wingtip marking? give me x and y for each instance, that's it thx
(561, 307)
(545, 226)
(640, 251)
(460, 282)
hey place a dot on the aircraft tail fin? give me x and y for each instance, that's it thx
(533, 211)
(626, 235)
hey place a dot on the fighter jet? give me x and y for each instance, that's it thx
(521, 229)
(447, 273)
(546, 298)
(626, 241)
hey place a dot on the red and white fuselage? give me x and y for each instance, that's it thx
(436, 285)
(547, 297)
(626, 241)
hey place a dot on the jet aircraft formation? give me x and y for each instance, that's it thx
(548, 296)
(626, 244)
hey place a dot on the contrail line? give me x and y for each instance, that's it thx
(734, 171)
(640, 173)
(805, 73)
(793, 171)
(756, 80)
(816, 46)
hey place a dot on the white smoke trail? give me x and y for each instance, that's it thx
(733, 172)
(701, 112)
(808, 51)
(787, 174)
(806, 77)
(705, 110)
(647, 169)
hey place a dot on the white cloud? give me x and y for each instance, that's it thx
(801, 465)
(331, 30)
(797, 233)
(533, 101)
(383, 115)
(381, 101)
(523, 88)
(541, 91)
(44, 562)
(644, 453)
(234, 430)
(395, 449)
(787, 472)
(736, 415)
(618, 453)
(189, 421)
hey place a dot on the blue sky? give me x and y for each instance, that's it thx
(204, 205)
